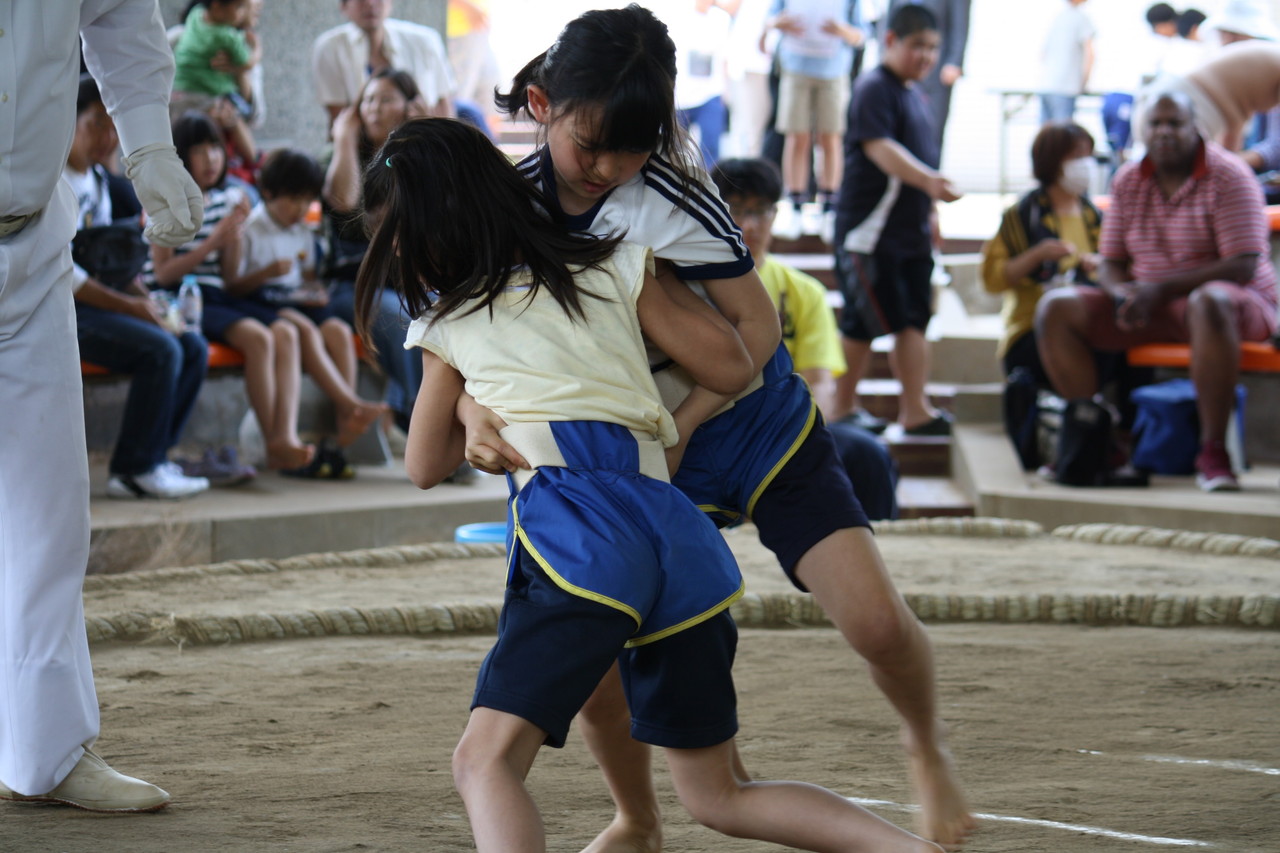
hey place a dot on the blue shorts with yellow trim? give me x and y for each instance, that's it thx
(604, 531)
(554, 647)
(770, 459)
(602, 558)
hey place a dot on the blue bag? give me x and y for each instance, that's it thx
(1166, 430)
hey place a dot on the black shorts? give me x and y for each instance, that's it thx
(883, 293)
(222, 311)
(554, 647)
(809, 499)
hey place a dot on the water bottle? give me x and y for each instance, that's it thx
(190, 304)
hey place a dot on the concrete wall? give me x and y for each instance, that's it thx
(287, 30)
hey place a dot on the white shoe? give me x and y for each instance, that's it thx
(811, 218)
(92, 785)
(166, 480)
(786, 224)
(827, 232)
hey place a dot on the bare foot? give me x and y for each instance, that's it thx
(286, 455)
(622, 836)
(944, 813)
(353, 422)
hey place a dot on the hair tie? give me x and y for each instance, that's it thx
(388, 162)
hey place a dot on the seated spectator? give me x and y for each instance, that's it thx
(752, 189)
(278, 270)
(1047, 239)
(212, 60)
(269, 343)
(345, 57)
(1185, 258)
(119, 327)
(386, 101)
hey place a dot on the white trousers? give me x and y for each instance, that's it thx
(48, 708)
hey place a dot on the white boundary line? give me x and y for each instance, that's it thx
(1226, 764)
(1052, 824)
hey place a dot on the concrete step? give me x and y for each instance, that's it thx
(919, 456)
(986, 468)
(930, 497)
(879, 396)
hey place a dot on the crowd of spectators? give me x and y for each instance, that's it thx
(859, 151)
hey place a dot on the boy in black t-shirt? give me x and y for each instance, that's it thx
(885, 219)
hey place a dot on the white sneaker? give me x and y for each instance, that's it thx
(92, 785)
(166, 480)
(828, 231)
(811, 218)
(786, 224)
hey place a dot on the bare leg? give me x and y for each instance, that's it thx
(284, 445)
(242, 140)
(795, 814)
(858, 355)
(832, 160)
(1215, 358)
(848, 579)
(797, 148)
(605, 724)
(354, 415)
(911, 364)
(1062, 338)
(258, 345)
(489, 768)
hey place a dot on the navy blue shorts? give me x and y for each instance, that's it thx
(883, 293)
(277, 297)
(809, 499)
(771, 459)
(222, 311)
(554, 647)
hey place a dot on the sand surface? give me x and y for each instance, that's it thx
(1069, 738)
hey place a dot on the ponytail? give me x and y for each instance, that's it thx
(518, 98)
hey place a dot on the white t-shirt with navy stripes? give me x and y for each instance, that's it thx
(692, 230)
(218, 203)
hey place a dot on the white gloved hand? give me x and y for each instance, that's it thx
(174, 204)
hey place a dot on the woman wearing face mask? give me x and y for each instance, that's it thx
(1048, 238)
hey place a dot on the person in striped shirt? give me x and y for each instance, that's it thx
(1185, 258)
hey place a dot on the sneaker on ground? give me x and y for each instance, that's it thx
(220, 467)
(166, 481)
(1213, 469)
(811, 218)
(786, 224)
(827, 233)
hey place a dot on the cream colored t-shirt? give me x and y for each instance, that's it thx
(531, 362)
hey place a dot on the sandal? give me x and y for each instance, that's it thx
(339, 467)
(319, 468)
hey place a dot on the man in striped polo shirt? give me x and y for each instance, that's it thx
(1185, 259)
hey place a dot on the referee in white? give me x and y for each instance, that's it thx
(48, 708)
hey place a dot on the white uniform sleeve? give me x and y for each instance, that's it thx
(126, 51)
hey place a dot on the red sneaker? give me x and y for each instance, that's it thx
(1213, 468)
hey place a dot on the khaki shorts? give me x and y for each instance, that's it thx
(812, 104)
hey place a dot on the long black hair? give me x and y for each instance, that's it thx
(454, 221)
(623, 63)
(194, 128)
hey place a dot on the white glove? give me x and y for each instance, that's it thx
(174, 204)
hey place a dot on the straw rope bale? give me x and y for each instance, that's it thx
(1183, 540)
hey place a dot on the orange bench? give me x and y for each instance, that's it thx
(220, 355)
(1254, 357)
